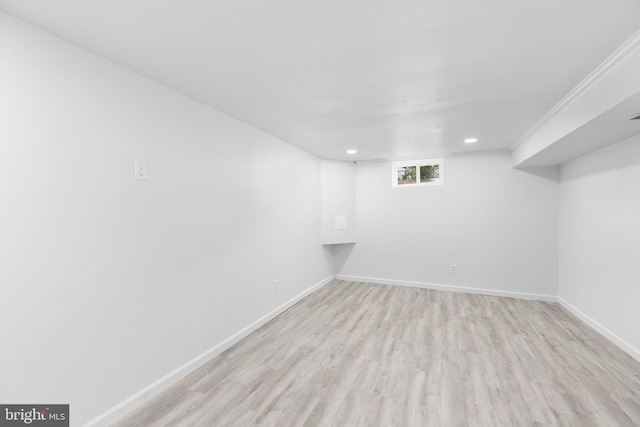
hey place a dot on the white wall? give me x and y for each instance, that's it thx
(338, 199)
(107, 283)
(498, 225)
(600, 241)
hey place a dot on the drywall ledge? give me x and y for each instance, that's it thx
(338, 202)
(610, 127)
(144, 395)
(608, 86)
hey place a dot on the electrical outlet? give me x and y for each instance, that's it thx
(276, 285)
(454, 269)
(141, 170)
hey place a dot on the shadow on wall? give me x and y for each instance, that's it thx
(336, 255)
(551, 173)
(618, 156)
(328, 255)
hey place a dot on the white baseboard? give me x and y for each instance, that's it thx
(142, 396)
(608, 334)
(464, 289)
(603, 330)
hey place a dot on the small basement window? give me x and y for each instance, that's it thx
(411, 173)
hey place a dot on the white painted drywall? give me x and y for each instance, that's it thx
(496, 224)
(108, 283)
(600, 240)
(338, 200)
(609, 85)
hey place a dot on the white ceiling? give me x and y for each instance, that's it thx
(393, 79)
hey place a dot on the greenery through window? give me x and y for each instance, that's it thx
(430, 173)
(417, 173)
(406, 175)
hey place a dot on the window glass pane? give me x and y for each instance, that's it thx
(406, 175)
(430, 173)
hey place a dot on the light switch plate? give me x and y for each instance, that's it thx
(141, 170)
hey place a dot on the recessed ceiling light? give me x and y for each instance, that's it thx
(470, 140)
(352, 151)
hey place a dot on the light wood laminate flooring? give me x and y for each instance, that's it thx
(362, 354)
